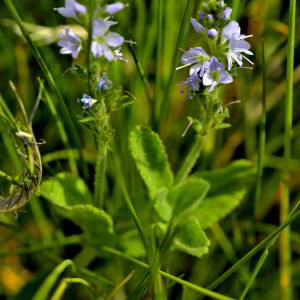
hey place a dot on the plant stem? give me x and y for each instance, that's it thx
(191, 159)
(159, 53)
(101, 165)
(89, 45)
(262, 139)
(141, 72)
(286, 286)
(128, 202)
(253, 251)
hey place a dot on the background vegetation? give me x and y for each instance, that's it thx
(37, 239)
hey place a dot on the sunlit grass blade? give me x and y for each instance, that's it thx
(119, 286)
(44, 291)
(64, 284)
(286, 285)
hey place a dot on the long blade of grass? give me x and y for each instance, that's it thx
(286, 286)
(141, 72)
(44, 291)
(255, 272)
(253, 251)
(64, 110)
(64, 284)
(166, 101)
(262, 139)
(185, 283)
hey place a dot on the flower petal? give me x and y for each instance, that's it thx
(114, 39)
(193, 55)
(197, 26)
(225, 78)
(100, 27)
(207, 79)
(79, 8)
(114, 7)
(231, 30)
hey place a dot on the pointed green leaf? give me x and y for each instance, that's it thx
(182, 198)
(191, 239)
(69, 194)
(228, 188)
(151, 159)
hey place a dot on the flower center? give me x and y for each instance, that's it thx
(215, 75)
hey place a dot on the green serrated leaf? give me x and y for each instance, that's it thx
(69, 194)
(191, 239)
(236, 175)
(228, 188)
(151, 159)
(96, 223)
(66, 190)
(214, 208)
(181, 199)
(188, 194)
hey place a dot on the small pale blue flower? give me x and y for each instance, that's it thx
(227, 13)
(114, 7)
(70, 43)
(197, 26)
(104, 83)
(196, 56)
(202, 15)
(87, 101)
(236, 44)
(193, 82)
(216, 75)
(71, 9)
(104, 39)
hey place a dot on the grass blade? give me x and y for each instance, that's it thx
(252, 252)
(46, 287)
(286, 286)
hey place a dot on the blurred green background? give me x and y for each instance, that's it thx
(138, 22)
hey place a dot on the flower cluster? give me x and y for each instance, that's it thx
(223, 46)
(105, 43)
